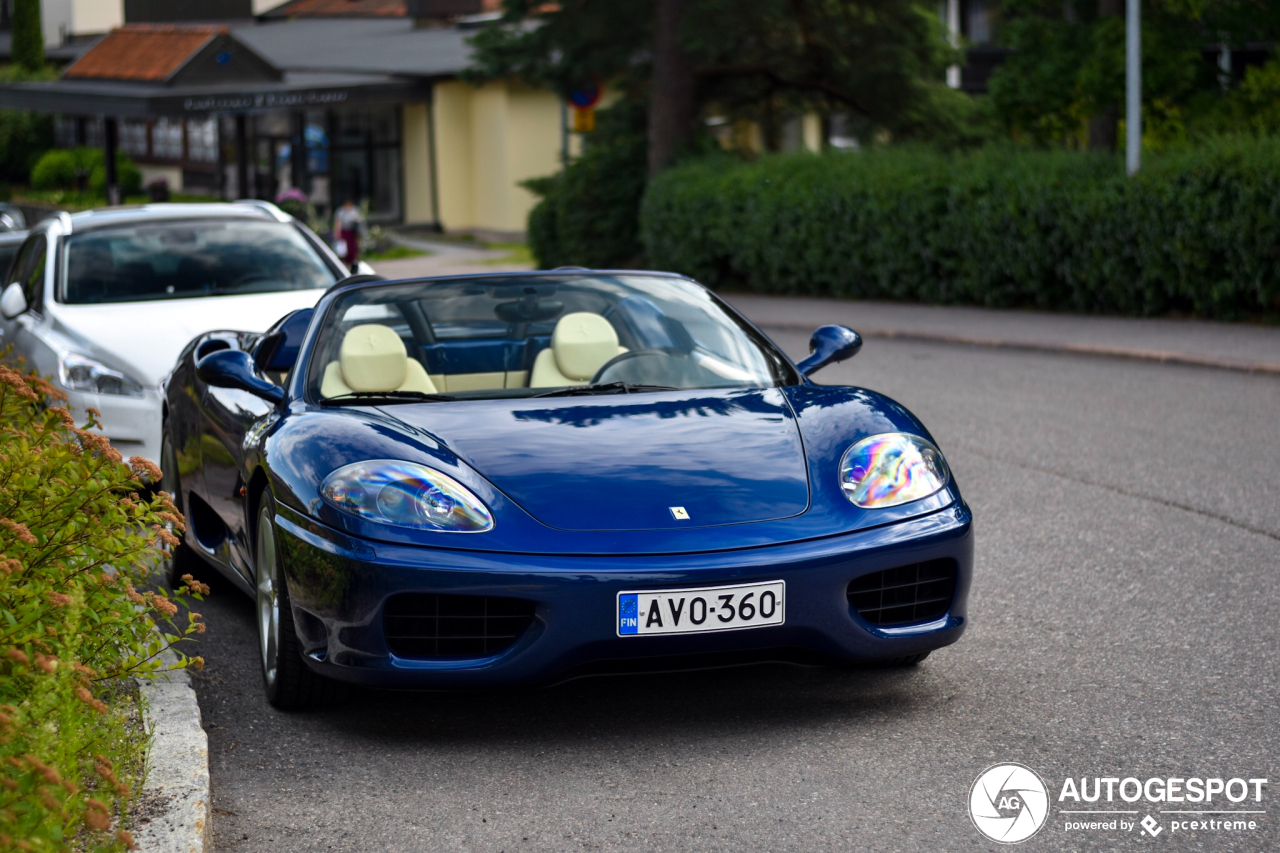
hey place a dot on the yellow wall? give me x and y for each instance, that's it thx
(811, 132)
(489, 139)
(416, 155)
(96, 16)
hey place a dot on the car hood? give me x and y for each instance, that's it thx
(632, 462)
(144, 339)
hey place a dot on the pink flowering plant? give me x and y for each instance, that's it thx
(80, 530)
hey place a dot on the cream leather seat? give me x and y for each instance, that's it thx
(373, 358)
(580, 345)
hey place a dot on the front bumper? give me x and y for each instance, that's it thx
(339, 586)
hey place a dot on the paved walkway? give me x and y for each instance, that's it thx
(446, 258)
(1197, 342)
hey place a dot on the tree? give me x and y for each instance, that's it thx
(880, 60)
(673, 97)
(28, 35)
(1065, 82)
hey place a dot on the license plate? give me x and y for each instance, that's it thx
(708, 608)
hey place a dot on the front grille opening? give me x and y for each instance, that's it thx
(427, 626)
(920, 592)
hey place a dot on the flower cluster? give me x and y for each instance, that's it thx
(80, 617)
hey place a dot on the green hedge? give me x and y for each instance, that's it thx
(1197, 230)
(588, 215)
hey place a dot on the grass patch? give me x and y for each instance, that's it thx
(516, 253)
(396, 253)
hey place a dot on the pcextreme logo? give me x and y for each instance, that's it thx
(1010, 803)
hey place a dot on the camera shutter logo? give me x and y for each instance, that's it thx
(1008, 803)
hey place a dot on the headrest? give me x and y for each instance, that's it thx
(582, 343)
(373, 358)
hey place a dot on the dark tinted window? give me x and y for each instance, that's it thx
(8, 252)
(188, 259)
(33, 274)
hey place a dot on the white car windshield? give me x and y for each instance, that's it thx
(179, 260)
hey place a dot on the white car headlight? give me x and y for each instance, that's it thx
(406, 495)
(891, 469)
(79, 373)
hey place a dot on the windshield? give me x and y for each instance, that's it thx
(178, 260)
(537, 334)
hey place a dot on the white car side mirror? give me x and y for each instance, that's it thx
(364, 269)
(13, 301)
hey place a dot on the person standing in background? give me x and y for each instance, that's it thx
(347, 224)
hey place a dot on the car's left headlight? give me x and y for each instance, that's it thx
(404, 494)
(892, 469)
(80, 373)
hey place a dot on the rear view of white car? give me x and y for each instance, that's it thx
(103, 302)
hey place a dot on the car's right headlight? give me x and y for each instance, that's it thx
(80, 373)
(404, 494)
(892, 469)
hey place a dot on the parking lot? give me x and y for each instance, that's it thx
(1123, 624)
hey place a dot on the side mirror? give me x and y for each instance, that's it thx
(233, 368)
(830, 344)
(13, 301)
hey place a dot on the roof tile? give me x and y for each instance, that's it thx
(143, 52)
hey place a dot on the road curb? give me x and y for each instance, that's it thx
(176, 791)
(1160, 356)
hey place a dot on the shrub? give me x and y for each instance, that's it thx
(1197, 230)
(589, 213)
(55, 170)
(63, 168)
(77, 538)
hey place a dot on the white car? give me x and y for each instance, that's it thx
(103, 302)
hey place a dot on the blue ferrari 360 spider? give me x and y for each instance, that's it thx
(526, 477)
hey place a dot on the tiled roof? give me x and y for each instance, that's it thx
(143, 52)
(341, 9)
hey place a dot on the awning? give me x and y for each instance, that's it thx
(296, 91)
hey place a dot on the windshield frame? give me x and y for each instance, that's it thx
(304, 385)
(312, 243)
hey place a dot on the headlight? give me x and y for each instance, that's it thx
(406, 495)
(892, 469)
(79, 373)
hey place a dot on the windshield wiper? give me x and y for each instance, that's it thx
(382, 398)
(605, 388)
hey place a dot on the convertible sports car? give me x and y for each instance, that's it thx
(523, 478)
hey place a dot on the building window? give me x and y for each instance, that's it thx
(365, 145)
(166, 139)
(93, 133)
(133, 138)
(202, 140)
(979, 22)
(64, 132)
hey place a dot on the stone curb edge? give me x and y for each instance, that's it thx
(177, 766)
(1161, 356)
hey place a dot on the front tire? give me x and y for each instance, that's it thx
(289, 683)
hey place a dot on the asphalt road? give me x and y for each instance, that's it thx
(1124, 623)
